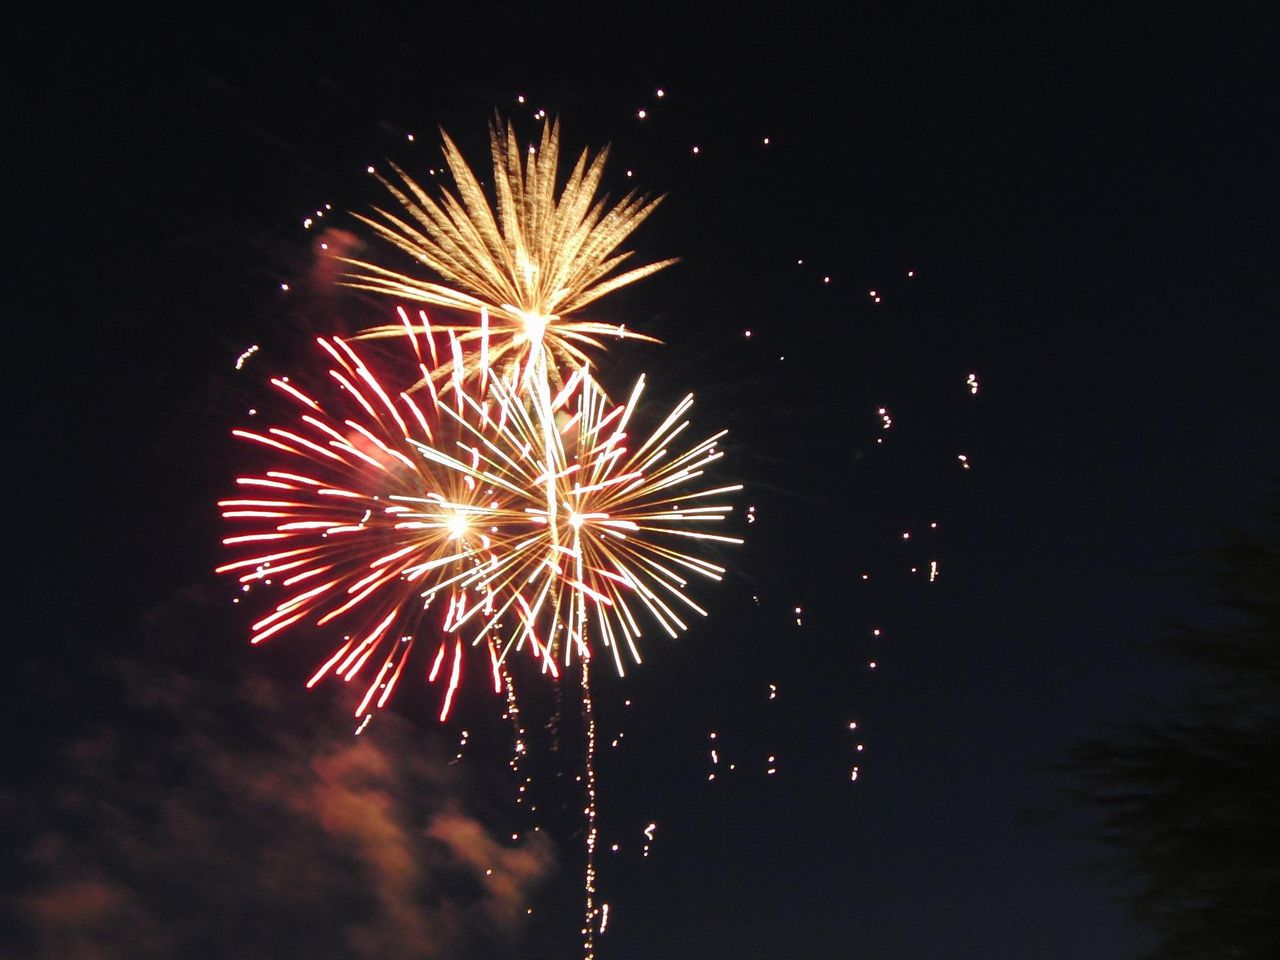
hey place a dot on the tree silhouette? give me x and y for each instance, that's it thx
(1189, 800)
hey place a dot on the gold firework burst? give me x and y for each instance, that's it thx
(613, 521)
(527, 262)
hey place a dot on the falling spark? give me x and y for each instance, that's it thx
(972, 384)
(589, 767)
(248, 352)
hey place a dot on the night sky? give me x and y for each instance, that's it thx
(1080, 212)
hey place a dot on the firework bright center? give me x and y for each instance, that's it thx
(457, 525)
(535, 325)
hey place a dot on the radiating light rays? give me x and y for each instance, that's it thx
(613, 523)
(627, 513)
(358, 529)
(523, 522)
(529, 259)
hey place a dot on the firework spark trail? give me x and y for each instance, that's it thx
(591, 912)
(528, 259)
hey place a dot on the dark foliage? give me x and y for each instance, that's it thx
(1189, 800)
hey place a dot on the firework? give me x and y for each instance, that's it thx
(528, 260)
(495, 497)
(529, 524)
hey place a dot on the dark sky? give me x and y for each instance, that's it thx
(1080, 210)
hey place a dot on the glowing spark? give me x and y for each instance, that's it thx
(249, 352)
(972, 383)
